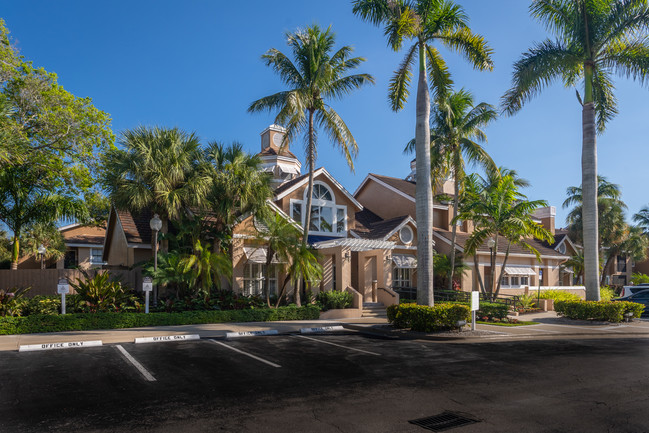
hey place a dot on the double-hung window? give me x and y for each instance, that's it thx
(401, 278)
(254, 278)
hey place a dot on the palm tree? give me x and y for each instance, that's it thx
(594, 39)
(498, 210)
(423, 22)
(159, 170)
(631, 244)
(642, 219)
(237, 187)
(47, 235)
(316, 75)
(28, 196)
(280, 237)
(576, 264)
(304, 267)
(455, 134)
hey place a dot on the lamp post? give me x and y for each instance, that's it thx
(156, 225)
(42, 250)
(491, 243)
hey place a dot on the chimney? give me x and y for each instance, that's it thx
(546, 215)
(272, 137)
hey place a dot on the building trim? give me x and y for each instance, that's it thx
(316, 173)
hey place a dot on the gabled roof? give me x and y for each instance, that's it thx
(296, 183)
(371, 226)
(77, 234)
(269, 151)
(137, 228)
(461, 239)
(402, 187)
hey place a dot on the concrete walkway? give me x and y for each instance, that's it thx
(550, 326)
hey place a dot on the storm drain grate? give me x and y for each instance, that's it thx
(443, 421)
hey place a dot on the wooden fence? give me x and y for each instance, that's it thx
(43, 281)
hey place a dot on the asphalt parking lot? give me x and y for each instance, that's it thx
(346, 382)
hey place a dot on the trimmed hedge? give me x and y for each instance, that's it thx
(492, 310)
(335, 299)
(93, 321)
(422, 318)
(605, 311)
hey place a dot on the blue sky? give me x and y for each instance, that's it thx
(196, 65)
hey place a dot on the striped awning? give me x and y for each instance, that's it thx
(404, 261)
(514, 270)
(258, 255)
(356, 244)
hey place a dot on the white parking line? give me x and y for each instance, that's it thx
(338, 345)
(272, 364)
(148, 376)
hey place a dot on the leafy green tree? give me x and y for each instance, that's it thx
(26, 199)
(159, 169)
(442, 266)
(576, 264)
(316, 75)
(304, 266)
(631, 244)
(455, 138)
(501, 212)
(594, 39)
(422, 23)
(280, 236)
(48, 235)
(642, 219)
(238, 187)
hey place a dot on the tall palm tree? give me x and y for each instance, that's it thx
(594, 39)
(576, 264)
(500, 211)
(642, 219)
(158, 169)
(631, 244)
(455, 135)
(316, 75)
(237, 187)
(422, 23)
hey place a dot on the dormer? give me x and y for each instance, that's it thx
(276, 158)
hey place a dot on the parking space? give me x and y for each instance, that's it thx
(303, 382)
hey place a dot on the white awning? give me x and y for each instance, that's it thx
(258, 255)
(356, 244)
(407, 261)
(511, 270)
(288, 168)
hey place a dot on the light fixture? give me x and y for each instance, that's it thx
(155, 223)
(42, 250)
(491, 243)
(347, 256)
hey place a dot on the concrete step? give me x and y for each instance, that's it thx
(373, 304)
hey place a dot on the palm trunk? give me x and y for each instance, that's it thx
(424, 193)
(15, 252)
(603, 274)
(269, 260)
(307, 216)
(492, 279)
(454, 229)
(589, 190)
(502, 272)
(477, 271)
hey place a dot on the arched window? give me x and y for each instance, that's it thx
(327, 217)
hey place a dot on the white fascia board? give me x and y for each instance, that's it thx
(69, 226)
(284, 215)
(400, 226)
(141, 246)
(317, 173)
(457, 247)
(388, 187)
(82, 245)
(525, 255)
(353, 233)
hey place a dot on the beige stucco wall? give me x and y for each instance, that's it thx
(384, 202)
(118, 253)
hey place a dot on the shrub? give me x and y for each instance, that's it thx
(492, 310)
(527, 301)
(638, 278)
(100, 293)
(10, 302)
(598, 310)
(92, 321)
(606, 293)
(422, 318)
(559, 295)
(334, 299)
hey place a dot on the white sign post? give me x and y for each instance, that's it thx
(475, 306)
(147, 287)
(63, 288)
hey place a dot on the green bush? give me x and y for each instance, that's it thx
(527, 301)
(334, 299)
(11, 301)
(606, 293)
(102, 294)
(559, 295)
(422, 318)
(492, 310)
(606, 311)
(93, 321)
(638, 278)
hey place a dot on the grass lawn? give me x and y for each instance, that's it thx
(520, 323)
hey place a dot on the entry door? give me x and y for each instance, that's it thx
(370, 276)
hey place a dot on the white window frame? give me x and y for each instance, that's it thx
(101, 252)
(254, 285)
(322, 203)
(398, 279)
